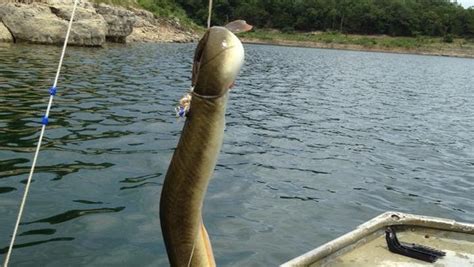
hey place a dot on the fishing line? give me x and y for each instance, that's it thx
(209, 16)
(195, 239)
(44, 122)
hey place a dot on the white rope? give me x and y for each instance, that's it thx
(209, 16)
(25, 194)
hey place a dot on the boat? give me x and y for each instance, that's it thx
(451, 243)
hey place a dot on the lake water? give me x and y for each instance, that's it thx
(317, 142)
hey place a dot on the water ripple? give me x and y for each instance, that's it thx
(316, 142)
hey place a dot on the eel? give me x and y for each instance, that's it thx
(217, 61)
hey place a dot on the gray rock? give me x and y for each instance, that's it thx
(64, 12)
(144, 18)
(46, 21)
(149, 28)
(5, 35)
(38, 23)
(119, 22)
(81, 3)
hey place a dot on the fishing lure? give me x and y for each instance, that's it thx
(184, 104)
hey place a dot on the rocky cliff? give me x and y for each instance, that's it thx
(46, 21)
(149, 28)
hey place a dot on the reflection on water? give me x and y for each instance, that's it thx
(6, 189)
(73, 214)
(39, 232)
(29, 244)
(316, 142)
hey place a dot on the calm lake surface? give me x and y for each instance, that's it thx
(317, 142)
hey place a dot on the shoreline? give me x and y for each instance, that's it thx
(468, 53)
(98, 23)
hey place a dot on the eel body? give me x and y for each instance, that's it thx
(218, 59)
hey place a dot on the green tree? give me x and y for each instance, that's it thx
(393, 17)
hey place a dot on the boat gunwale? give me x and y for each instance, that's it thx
(389, 218)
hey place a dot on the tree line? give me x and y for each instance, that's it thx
(390, 17)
